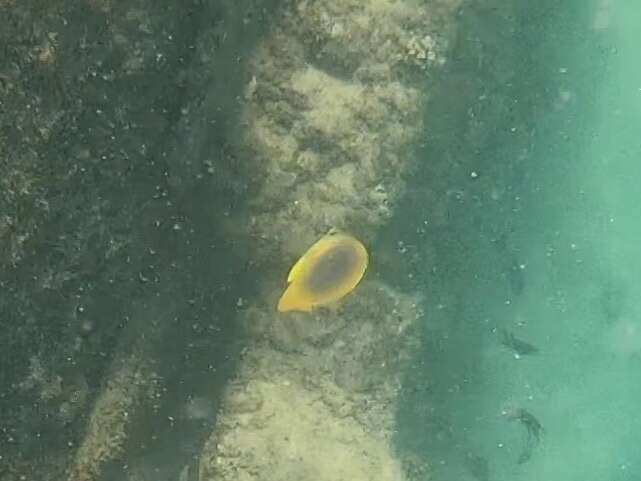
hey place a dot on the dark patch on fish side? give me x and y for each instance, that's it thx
(332, 268)
(518, 346)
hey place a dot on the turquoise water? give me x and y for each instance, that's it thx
(536, 236)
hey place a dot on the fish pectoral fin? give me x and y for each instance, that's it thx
(293, 300)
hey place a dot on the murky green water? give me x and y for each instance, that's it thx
(541, 247)
(519, 228)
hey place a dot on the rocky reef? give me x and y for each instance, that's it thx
(332, 115)
(334, 109)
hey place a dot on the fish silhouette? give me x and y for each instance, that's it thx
(518, 346)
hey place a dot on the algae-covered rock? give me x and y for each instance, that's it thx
(326, 382)
(295, 435)
(102, 237)
(128, 386)
(332, 116)
(334, 111)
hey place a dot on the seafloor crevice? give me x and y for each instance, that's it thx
(332, 114)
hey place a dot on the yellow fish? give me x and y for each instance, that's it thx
(328, 271)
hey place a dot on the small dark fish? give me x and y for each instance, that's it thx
(478, 467)
(533, 428)
(516, 278)
(519, 346)
(190, 471)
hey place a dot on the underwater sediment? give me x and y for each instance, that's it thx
(332, 114)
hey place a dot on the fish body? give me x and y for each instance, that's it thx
(518, 346)
(533, 429)
(328, 271)
(516, 278)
